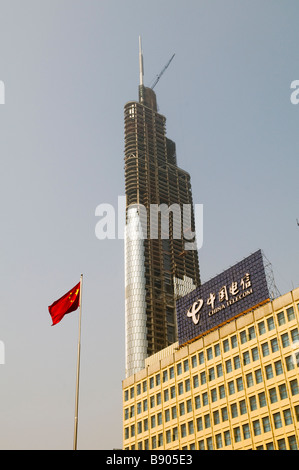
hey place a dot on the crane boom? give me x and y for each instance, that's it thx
(161, 73)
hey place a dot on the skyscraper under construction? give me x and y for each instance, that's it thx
(159, 207)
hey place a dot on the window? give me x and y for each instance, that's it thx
(211, 373)
(189, 406)
(258, 376)
(295, 335)
(199, 425)
(186, 365)
(278, 367)
(261, 328)
(283, 391)
(224, 414)
(201, 357)
(139, 427)
(209, 443)
(217, 351)
(270, 323)
(228, 366)
(256, 428)
(294, 387)
(237, 434)
(251, 333)
(219, 370)
(194, 361)
(190, 427)
(273, 395)
(216, 417)
(225, 345)
(277, 420)
(182, 409)
(179, 369)
(289, 362)
(205, 400)
(172, 392)
(269, 371)
(153, 421)
(249, 380)
(240, 386)
(173, 412)
(151, 382)
(243, 409)
(166, 395)
(201, 444)
(158, 380)
(197, 402)
(167, 415)
(265, 349)
(274, 345)
(183, 430)
(292, 443)
(246, 358)
(203, 379)
(207, 421)
(158, 397)
(243, 337)
(254, 354)
(281, 444)
(221, 392)
(234, 410)
(262, 399)
(171, 372)
(195, 381)
(209, 354)
(231, 387)
(266, 424)
(187, 385)
(285, 340)
(227, 439)
(218, 441)
(252, 403)
(290, 313)
(234, 341)
(237, 363)
(168, 437)
(214, 395)
(281, 318)
(287, 417)
(246, 431)
(165, 376)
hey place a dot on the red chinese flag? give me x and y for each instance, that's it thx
(66, 304)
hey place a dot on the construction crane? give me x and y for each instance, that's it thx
(161, 73)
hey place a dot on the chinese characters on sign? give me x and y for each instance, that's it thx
(226, 296)
(234, 291)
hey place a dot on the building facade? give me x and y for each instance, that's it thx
(158, 267)
(236, 387)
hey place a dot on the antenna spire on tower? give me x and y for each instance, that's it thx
(141, 71)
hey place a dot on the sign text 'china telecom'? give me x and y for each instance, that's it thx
(236, 290)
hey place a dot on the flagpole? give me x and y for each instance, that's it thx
(78, 369)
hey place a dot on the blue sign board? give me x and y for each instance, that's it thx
(234, 291)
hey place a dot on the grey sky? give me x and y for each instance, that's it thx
(69, 66)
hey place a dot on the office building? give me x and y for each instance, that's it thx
(234, 387)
